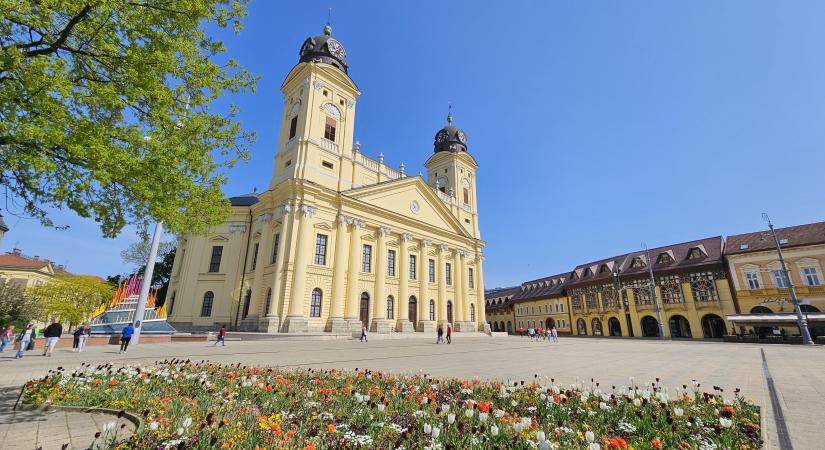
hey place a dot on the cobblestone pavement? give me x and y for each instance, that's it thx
(798, 373)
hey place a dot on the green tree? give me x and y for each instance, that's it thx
(105, 110)
(15, 307)
(71, 298)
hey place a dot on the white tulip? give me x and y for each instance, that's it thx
(494, 430)
(540, 436)
(468, 413)
(153, 425)
(595, 446)
(590, 436)
(483, 417)
(436, 432)
(382, 407)
(428, 428)
(450, 418)
(637, 402)
(180, 431)
(678, 411)
(725, 422)
(445, 407)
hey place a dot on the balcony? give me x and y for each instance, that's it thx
(329, 146)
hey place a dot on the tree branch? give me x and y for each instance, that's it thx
(64, 35)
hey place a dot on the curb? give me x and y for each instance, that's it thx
(20, 405)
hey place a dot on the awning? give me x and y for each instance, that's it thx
(774, 319)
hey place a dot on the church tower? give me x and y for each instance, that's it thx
(319, 116)
(452, 171)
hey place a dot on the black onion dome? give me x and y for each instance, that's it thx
(450, 138)
(324, 48)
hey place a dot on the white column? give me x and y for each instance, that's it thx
(441, 281)
(295, 320)
(354, 268)
(338, 298)
(258, 293)
(380, 323)
(404, 323)
(481, 313)
(458, 302)
(424, 323)
(277, 275)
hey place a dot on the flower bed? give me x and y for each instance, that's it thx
(201, 405)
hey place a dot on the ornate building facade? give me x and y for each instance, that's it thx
(499, 307)
(338, 240)
(543, 304)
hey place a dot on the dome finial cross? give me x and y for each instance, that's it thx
(449, 113)
(328, 26)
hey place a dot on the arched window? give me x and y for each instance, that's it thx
(432, 309)
(472, 313)
(206, 307)
(246, 301)
(315, 303)
(390, 307)
(268, 301)
(171, 303)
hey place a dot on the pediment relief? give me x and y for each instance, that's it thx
(218, 238)
(256, 235)
(368, 237)
(323, 226)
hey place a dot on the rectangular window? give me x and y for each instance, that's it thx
(412, 267)
(366, 259)
(448, 274)
(752, 279)
(327, 164)
(215, 261)
(470, 281)
(811, 276)
(293, 127)
(275, 243)
(779, 279)
(390, 263)
(431, 264)
(255, 256)
(329, 129)
(321, 249)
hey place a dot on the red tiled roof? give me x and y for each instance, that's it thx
(22, 262)
(809, 234)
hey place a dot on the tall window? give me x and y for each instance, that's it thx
(703, 287)
(329, 129)
(448, 274)
(366, 259)
(255, 256)
(466, 196)
(315, 303)
(779, 279)
(390, 307)
(752, 279)
(293, 127)
(206, 307)
(432, 309)
(391, 263)
(321, 249)
(215, 261)
(268, 301)
(470, 278)
(412, 267)
(472, 313)
(811, 276)
(431, 266)
(246, 301)
(276, 241)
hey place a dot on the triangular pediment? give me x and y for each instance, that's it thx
(410, 197)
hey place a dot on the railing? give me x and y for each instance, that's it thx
(369, 163)
(391, 173)
(444, 197)
(329, 146)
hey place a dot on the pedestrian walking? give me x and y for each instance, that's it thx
(125, 337)
(52, 334)
(531, 333)
(440, 335)
(85, 331)
(76, 338)
(554, 334)
(8, 336)
(25, 338)
(449, 333)
(221, 336)
(364, 333)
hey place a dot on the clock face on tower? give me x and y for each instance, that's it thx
(441, 136)
(462, 137)
(336, 49)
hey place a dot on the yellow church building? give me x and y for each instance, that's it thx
(339, 240)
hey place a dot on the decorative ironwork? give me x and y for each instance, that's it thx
(610, 299)
(702, 287)
(576, 299)
(671, 288)
(591, 297)
(641, 292)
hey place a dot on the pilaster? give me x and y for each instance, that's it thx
(424, 322)
(380, 323)
(404, 324)
(295, 321)
(353, 303)
(441, 281)
(271, 322)
(337, 323)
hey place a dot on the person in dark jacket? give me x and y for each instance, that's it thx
(126, 336)
(52, 334)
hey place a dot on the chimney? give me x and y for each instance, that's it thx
(36, 256)
(16, 251)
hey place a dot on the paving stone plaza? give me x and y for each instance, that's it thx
(798, 373)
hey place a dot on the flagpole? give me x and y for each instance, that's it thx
(140, 310)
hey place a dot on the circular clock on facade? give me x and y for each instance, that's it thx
(442, 136)
(336, 49)
(414, 207)
(462, 137)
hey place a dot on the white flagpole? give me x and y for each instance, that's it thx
(140, 310)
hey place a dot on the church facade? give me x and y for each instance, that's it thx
(338, 240)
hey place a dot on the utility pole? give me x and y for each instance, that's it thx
(800, 319)
(653, 292)
(140, 309)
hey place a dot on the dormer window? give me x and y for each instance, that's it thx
(783, 241)
(696, 253)
(588, 272)
(743, 246)
(329, 129)
(604, 269)
(573, 276)
(637, 263)
(664, 258)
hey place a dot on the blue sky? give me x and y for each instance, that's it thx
(597, 125)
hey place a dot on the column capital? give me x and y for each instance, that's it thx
(308, 210)
(265, 217)
(444, 248)
(426, 242)
(285, 209)
(383, 231)
(407, 237)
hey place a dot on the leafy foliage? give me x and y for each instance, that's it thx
(71, 298)
(105, 110)
(15, 307)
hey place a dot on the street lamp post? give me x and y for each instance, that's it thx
(653, 293)
(800, 319)
(140, 309)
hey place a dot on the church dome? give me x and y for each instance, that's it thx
(324, 48)
(450, 138)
